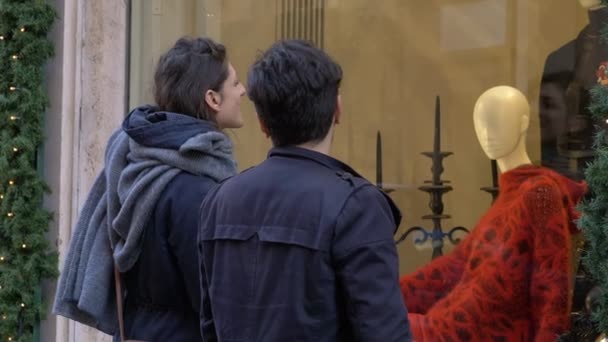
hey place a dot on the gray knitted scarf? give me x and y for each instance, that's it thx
(116, 213)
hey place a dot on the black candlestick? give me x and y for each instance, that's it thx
(436, 188)
(493, 190)
(379, 160)
(379, 182)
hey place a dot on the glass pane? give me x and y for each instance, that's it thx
(155, 26)
(398, 56)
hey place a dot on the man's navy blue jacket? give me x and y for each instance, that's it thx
(300, 248)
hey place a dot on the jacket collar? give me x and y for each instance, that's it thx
(333, 164)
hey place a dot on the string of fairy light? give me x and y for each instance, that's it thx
(26, 256)
(12, 182)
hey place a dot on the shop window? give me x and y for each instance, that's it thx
(398, 57)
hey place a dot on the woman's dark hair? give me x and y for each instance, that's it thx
(185, 73)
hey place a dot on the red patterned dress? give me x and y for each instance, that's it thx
(509, 279)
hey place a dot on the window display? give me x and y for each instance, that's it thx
(398, 57)
(510, 279)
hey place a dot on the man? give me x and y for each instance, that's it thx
(299, 248)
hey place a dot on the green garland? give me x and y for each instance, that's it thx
(25, 257)
(25, 254)
(594, 220)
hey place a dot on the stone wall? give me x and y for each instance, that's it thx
(87, 88)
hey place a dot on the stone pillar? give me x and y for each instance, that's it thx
(87, 88)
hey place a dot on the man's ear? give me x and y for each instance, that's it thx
(338, 113)
(213, 100)
(263, 127)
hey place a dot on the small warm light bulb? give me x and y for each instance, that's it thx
(10, 214)
(1, 258)
(22, 29)
(15, 149)
(13, 118)
(10, 338)
(24, 246)
(1, 196)
(11, 88)
(14, 56)
(22, 305)
(11, 182)
(1, 37)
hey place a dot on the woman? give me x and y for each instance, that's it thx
(158, 168)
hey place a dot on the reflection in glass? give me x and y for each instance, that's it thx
(570, 72)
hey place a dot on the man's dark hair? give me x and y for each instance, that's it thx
(294, 87)
(185, 73)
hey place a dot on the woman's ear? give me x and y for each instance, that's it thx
(213, 100)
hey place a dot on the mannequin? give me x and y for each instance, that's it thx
(510, 278)
(567, 128)
(501, 117)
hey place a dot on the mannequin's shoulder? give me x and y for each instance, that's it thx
(541, 180)
(541, 196)
(539, 183)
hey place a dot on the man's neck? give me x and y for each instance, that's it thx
(321, 146)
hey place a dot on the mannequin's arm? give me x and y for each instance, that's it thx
(551, 278)
(434, 281)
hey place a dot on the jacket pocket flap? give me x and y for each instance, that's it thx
(229, 232)
(294, 236)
